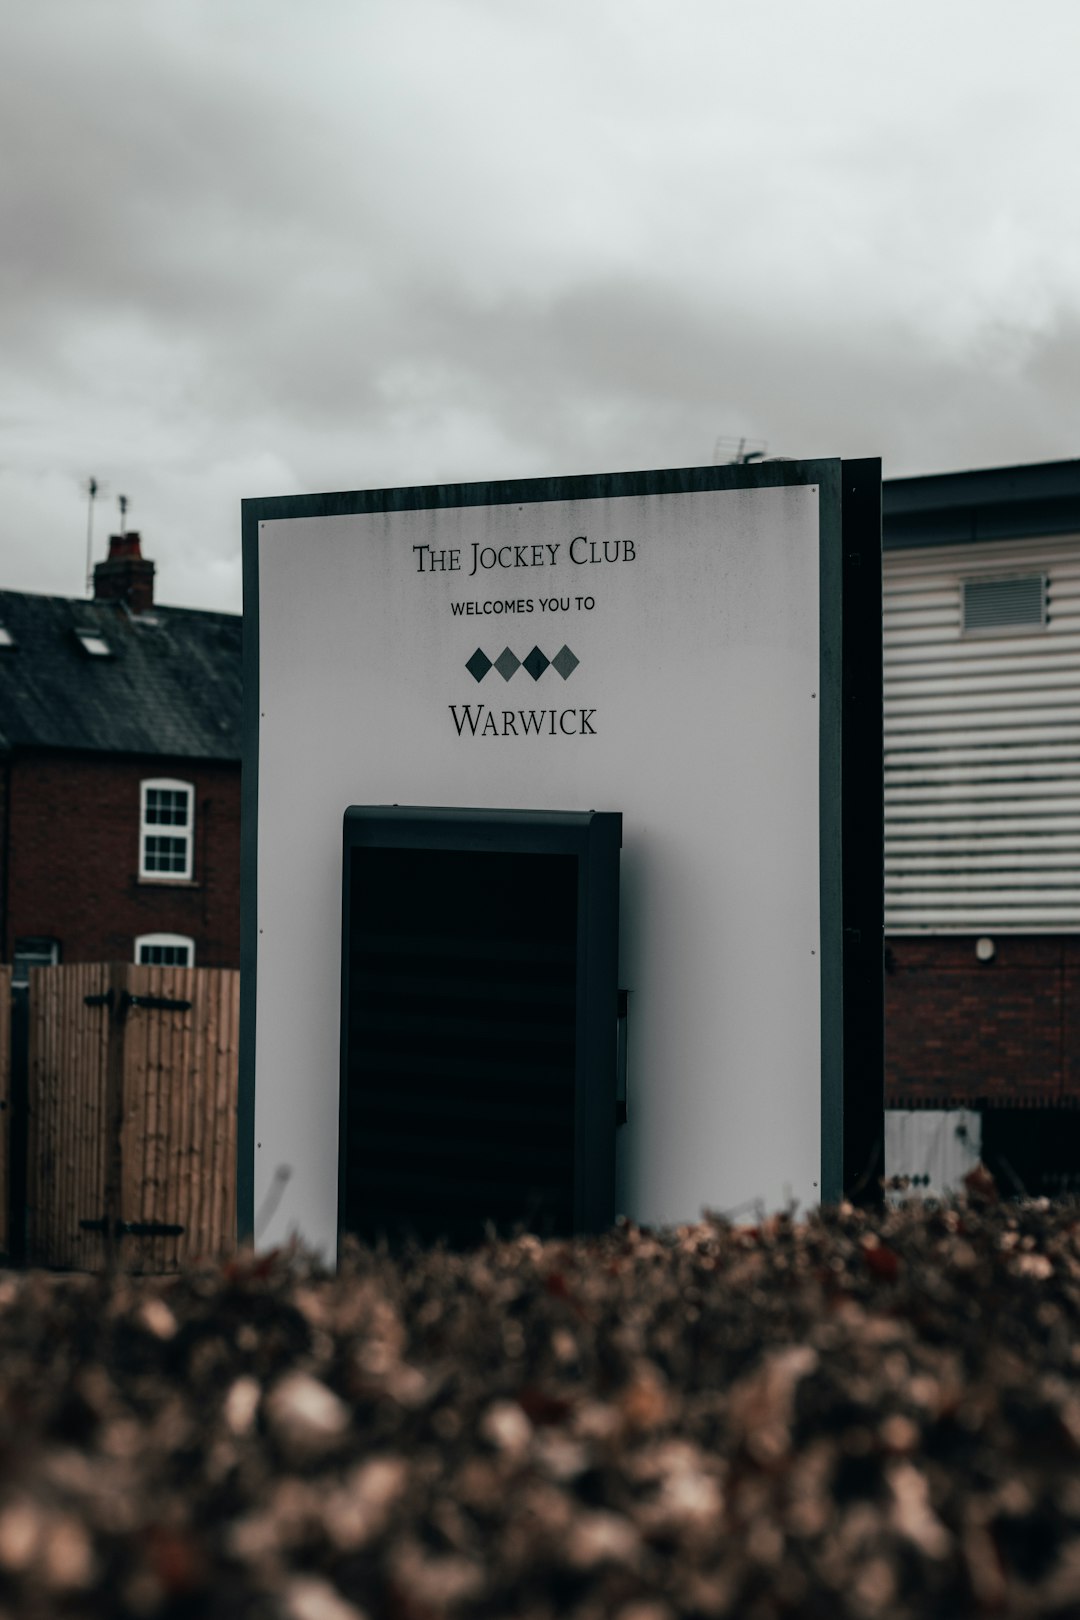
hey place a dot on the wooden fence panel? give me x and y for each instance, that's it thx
(66, 1123)
(145, 1137)
(5, 1107)
(179, 1132)
(165, 1074)
(178, 1141)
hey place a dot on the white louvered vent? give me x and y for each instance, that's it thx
(1004, 604)
(982, 740)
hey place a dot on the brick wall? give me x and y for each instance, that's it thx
(74, 859)
(960, 1031)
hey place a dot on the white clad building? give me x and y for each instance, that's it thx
(982, 819)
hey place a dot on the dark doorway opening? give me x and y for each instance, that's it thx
(479, 1005)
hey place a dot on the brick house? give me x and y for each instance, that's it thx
(119, 775)
(982, 806)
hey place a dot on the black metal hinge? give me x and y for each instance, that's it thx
(622, 1031)
(134, 1228)
(158, 1003)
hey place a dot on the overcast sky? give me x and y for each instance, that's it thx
(250, 247)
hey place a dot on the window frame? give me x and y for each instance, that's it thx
(47, 944)
(164, 941)
(148, 830)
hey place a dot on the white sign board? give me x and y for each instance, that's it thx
(657, 653)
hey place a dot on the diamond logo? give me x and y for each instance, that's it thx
(478, 665)
(565, 663)
(507, 664)
(536, 663)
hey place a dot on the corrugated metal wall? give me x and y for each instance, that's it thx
(982, 747)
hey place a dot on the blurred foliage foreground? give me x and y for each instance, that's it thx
(856, 1414)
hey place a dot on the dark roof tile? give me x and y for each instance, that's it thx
(172, 688)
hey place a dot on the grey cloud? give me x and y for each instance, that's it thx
(249, 246)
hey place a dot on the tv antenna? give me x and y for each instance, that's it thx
(729, 449)
(91, 492)
(123, 503)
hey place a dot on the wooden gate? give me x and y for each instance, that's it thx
(132, 1115)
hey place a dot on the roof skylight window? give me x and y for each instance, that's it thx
(94, 643)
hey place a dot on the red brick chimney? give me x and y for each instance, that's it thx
(126, 576)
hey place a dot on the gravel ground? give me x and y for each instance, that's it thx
(857, 1414)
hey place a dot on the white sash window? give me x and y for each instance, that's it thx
(165, 950)
(166, 829)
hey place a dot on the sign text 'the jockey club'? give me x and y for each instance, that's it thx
(580, 550)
